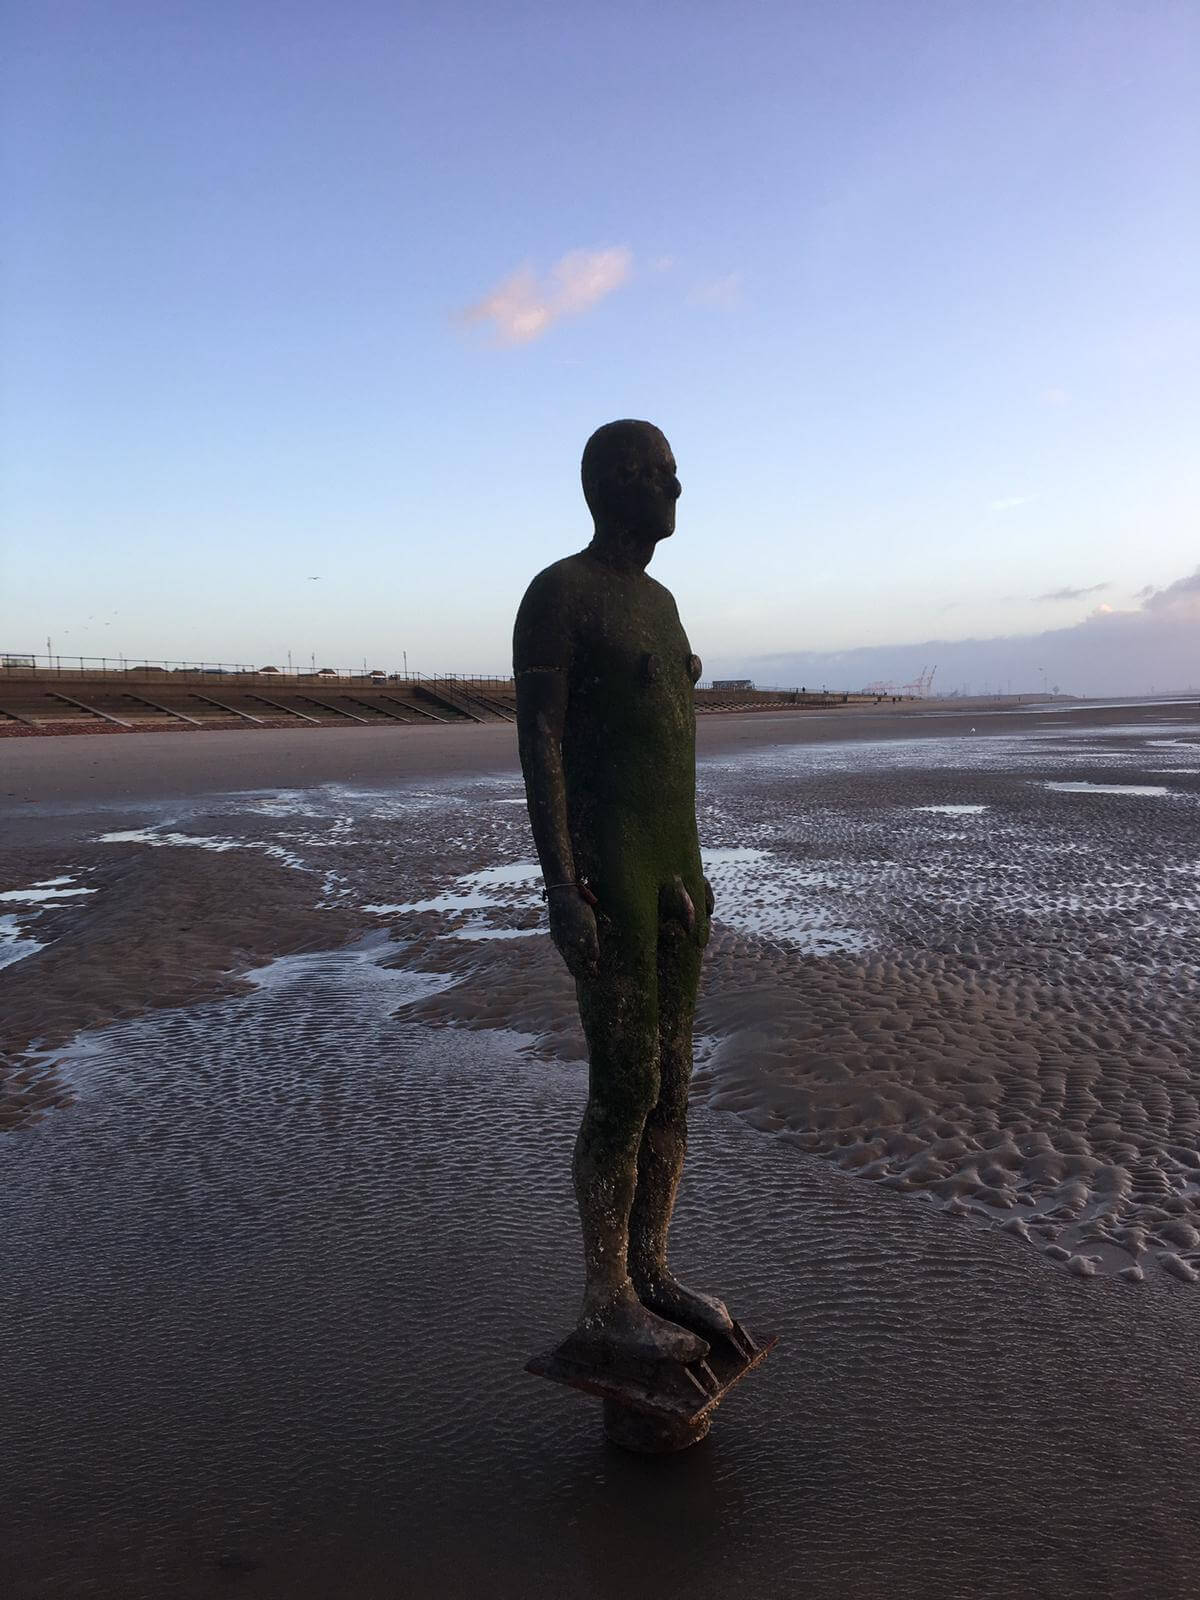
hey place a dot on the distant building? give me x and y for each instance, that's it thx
(733, 683)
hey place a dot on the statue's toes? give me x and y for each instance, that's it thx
(704, 1314)
(687, 1346)
(707, 1316)
(663, 1339)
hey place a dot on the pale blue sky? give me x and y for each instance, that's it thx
(911, 287)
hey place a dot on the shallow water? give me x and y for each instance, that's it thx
(478, 930)
(44, 893)
(165, 838)
(489, 889)
(15, 943)
(955, 811)
(19, 928)
(1154, 790)
(270, 1283)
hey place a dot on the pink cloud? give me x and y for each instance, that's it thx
(524, 306)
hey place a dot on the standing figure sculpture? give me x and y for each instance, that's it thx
(606, 725)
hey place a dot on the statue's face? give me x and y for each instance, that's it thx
(651, 491)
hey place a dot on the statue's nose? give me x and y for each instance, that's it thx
(678, 488)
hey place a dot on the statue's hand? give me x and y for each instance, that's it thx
(573, 929)
(710, 899)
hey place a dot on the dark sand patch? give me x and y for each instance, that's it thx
(160, 928)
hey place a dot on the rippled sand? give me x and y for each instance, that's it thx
(994, 1007)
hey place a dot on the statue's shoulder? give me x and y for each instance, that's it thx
(547, 624)
(662, 594)
(557, 585)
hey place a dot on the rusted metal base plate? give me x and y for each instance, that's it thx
(668, 1390)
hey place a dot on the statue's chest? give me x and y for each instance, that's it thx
(636, 645)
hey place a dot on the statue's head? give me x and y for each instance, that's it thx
(629, 481)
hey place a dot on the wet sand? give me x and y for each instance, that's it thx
(277, 1247)
(271, 1282)
(116, 767)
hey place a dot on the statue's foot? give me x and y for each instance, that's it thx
(622, 1328)
(702, 1313)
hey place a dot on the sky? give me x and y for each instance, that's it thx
(308, 311)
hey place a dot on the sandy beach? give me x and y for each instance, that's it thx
(289, 1075)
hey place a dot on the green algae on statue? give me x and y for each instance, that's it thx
(606, 725)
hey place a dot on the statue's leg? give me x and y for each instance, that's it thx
(664, 1145)
(619, 1012)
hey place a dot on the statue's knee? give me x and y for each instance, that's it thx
(633, 1098)
(645, 1096)
(672, 1103)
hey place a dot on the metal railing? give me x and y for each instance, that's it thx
(27, 663)
(40, 665)
(793, 692)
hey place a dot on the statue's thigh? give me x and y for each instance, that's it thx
(678, 971)
(619, 1006)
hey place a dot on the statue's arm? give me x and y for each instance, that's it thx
(541, 713)
(541, 663)
(695, 668)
